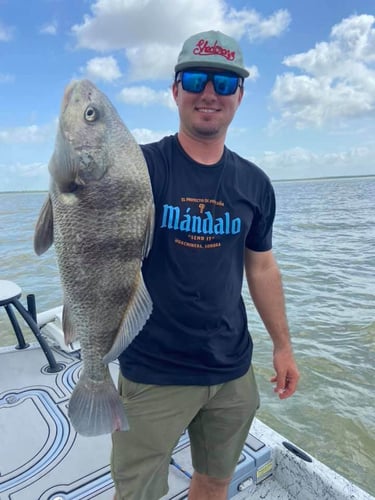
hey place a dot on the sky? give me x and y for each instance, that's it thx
(309, 104)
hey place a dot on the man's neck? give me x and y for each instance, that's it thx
(204, 151)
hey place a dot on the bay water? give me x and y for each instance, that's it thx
(324, 241)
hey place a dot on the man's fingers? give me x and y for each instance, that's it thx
(285, 385)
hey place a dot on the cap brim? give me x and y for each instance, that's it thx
(214, 65)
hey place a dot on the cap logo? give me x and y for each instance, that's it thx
(203, 48)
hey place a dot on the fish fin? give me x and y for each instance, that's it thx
(135, 317)
(43, 235)
(96, 408)
(62, 167)
(68, 325)
(149, 231)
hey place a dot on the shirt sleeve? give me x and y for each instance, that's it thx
(259, 237)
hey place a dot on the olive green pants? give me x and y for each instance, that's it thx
(217, 417)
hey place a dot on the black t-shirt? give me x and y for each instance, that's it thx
(205, 216)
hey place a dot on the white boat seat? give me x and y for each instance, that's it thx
(10, 293)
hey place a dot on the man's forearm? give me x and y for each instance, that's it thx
(265, 285)
(267, 293)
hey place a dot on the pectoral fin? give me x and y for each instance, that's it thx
(149, 231)
(68, 325)
(136, 315)
(43, 236)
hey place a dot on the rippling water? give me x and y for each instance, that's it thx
(324, 241)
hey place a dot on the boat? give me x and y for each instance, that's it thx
(43, 458)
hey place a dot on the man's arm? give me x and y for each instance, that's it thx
(265, 285)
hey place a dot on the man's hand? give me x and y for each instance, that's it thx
(264, 280)
(287, 374)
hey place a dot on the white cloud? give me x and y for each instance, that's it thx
(357, 37)
(6, 78)
(337, 80)
(152, 42)
(31, 134)
(300, 162)
(6, 33)
(151, 62)
(102, 68)
(29, 169)
(255, 26)
(145, 96)
(49, 29)
(144, 135)
(24, 176)
(115, 24)
(254, 73)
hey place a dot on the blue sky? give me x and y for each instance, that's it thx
(309, 106)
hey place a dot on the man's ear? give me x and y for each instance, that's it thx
(175, 91)
(240, 95)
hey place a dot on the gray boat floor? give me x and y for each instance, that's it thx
(42, 457)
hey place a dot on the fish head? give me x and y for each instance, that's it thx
(87, 124)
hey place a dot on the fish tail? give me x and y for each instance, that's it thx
(95, 407)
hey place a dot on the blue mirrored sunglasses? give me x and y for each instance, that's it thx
(196, 81)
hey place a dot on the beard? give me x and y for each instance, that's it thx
(206, 132)
(206, 128)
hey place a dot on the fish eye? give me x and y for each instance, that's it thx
(91, 114)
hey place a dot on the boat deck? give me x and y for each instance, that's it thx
(42, 457)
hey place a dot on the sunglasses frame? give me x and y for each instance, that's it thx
(210, 75)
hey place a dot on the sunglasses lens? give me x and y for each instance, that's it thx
(225, 84)
(196, 82)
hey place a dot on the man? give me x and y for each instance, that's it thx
(190, 366)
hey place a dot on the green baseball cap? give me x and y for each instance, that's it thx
(211, 49)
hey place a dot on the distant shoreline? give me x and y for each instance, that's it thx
(328, 178)
(299, 179)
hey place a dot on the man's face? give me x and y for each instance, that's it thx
(205, 115)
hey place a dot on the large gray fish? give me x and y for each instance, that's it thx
(100, 216)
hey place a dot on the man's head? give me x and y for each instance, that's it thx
(208, 86)
(212, 49)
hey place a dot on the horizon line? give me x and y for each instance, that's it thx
(293, 179)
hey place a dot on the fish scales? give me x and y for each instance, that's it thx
(100, 213)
